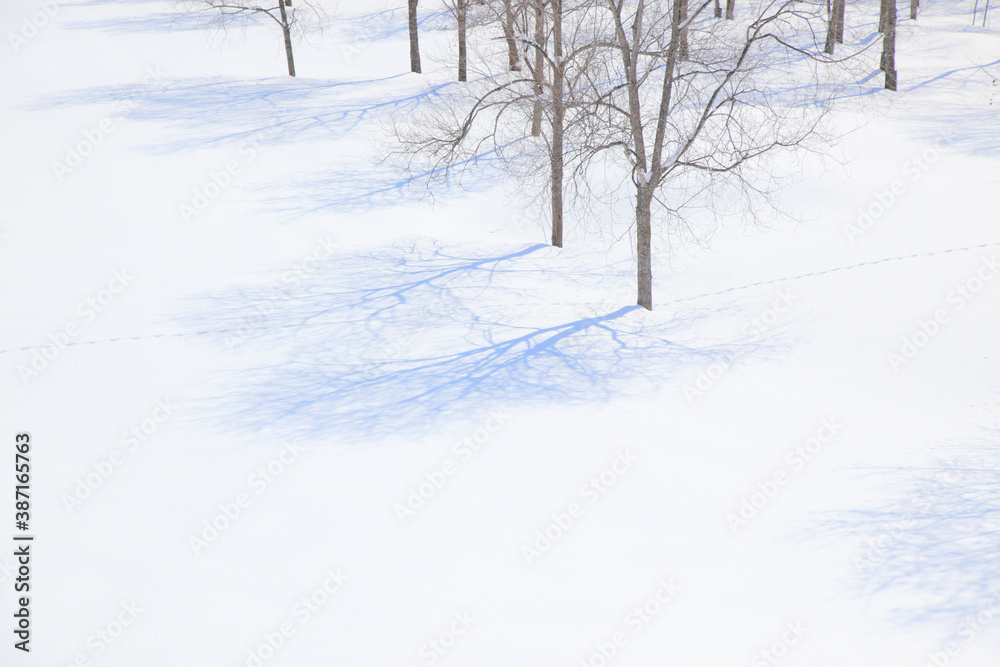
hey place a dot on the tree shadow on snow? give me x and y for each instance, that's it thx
(158, 22)
(936, 539)
(412, 338)
(197, 113)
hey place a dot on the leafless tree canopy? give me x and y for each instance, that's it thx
(690, 108)
(288, 18)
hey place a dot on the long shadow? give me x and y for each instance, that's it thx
(362, 186)
(955, 122)
(201, 113)
(415, 338)
(936, 540)
(158, 22)
(371, 27)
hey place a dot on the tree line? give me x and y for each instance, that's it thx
(685, 105)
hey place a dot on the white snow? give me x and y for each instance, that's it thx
(360, 345)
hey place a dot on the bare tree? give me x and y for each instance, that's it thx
(986, 11)
(690, 131)
(520, 116)
(229, 12)
(461, 13)
(411, 9)
(888, 58)
(537, 49)
(835, 25)
(690, 109)
(513, 59)
(839, 10)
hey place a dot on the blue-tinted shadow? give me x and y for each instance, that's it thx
(202, 113)
(415, 338)
(936, 540)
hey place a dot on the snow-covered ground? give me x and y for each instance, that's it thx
(326, 422)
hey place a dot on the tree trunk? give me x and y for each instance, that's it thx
(834, 26)
(913, 9)
(839, 8)
(889, 44)
(536, 109)
(461, 6)
(882, 8)
(643, 253)
(286, 29)
(730, 9)
(414, 45)
(681, 7)
(558, 115)
(718, 9)
(508, 34)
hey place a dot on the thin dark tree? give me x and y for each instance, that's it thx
(522, 117)
(287, 18)
(691, 128)
(839, 8)
(681, 9)
(462, 15)
(513, 59)
(537, 49)
(834, 25)
(286, 31)
(411, 11)
(558, 124)
(888, 58)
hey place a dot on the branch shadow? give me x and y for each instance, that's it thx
(364, 186)
(936, 539)
(157, 22)
(198, 113)
(410, 338)
(372, 27)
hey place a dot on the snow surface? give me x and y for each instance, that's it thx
(316, 303)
